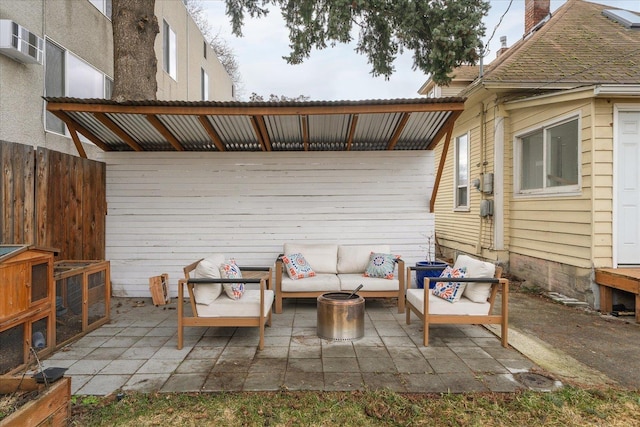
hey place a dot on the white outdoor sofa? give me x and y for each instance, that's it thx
(338, 268)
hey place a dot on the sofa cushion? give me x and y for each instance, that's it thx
(322, 256)
(208, 268)
(318, 283)
(381, 265)
(297, 266)
(440, 306)
(349, 282)
(355, 258)
(476, 292)
(450, 291)
(247, 306)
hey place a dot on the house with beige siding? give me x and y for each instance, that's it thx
(541, 174)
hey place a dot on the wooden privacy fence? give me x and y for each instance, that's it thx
(52, 199)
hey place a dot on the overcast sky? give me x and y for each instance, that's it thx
(340, 73)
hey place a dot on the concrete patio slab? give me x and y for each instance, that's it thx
(137, 352)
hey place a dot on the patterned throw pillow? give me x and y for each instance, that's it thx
(230, 270)
(381, 265)
(297, 266)
(234, 290)
(451, 291)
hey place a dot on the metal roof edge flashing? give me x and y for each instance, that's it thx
(617, 90)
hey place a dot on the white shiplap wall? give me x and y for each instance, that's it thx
(166, 210)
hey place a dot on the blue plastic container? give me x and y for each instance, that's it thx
(435, 270)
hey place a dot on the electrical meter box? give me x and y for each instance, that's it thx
(487, 183)
(486, 208)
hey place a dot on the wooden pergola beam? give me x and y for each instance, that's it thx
(253, 110)
(352, 131)
(68, 120)
(113, 127)
(204, 121)
(443, 158)
(264, 135)
(451, 120)
(305, 131)
(76, 140)
(166, 133)
(396, 134)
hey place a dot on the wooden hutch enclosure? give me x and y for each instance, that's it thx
(45, 304)
(27, 306)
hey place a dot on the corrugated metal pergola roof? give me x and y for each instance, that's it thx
(372, 125)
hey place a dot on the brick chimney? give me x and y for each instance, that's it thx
(534, 12)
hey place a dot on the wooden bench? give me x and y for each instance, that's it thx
(252, 310)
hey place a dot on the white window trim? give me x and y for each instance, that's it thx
(562, 191)
(204, 85)
(467, 207)
(172, 67)
(102, 8)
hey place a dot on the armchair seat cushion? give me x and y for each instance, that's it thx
(349, 282)
(441, 307)
(320, 282)
(247, 306)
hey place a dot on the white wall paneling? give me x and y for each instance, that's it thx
(166, 210)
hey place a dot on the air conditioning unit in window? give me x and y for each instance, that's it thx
(19, 43)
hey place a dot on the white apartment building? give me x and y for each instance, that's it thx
(64, 48)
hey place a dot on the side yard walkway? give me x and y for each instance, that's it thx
(577, 344)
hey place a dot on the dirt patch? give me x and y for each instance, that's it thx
(10, 403)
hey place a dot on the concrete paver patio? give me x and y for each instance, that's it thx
(137, 351)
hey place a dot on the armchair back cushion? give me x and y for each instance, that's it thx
(355, 259)
(208, 268)
(320, 257)
(476, 292)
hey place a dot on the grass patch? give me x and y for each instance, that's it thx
(567, 406)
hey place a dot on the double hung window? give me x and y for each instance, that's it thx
(461, 178)
(169, 50)
(547, 159)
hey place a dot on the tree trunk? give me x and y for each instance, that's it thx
(135, 27)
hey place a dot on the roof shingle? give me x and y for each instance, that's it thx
(577, 46)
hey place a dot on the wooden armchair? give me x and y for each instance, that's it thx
(434, 310)
(253, 309)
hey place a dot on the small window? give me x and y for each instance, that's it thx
(103, 6)
(204, 85)
(169, 50)
(204, 49)
(548, 159)
(39, 282)
(461, 183)
(54, 82)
